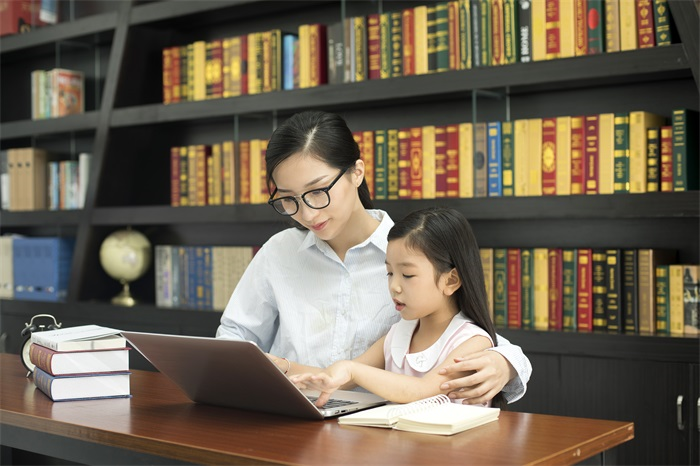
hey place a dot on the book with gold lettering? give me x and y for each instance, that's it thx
(428, 162)
(563, 162)
(646, 36)
(466, 160)
(549, 156)
(440, 161)
(647, 261)
(613, 286)
(392, 168)
(612, 25)
(541, 286)
(380, 164)
(600, 315)
(416, 162)
(685, 150)
(487, 267)
(666, 159)
(640, 122)
(591, 153)
(555, 292)
(584, 290)
(606, 153)
(514, 303)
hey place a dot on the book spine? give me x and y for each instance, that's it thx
(392, 179)
(613, 285)
(475, 9)
(41, 357)
(685, 150)
(596, 27)
(442, 38)
(662, 22)
(581, 27)
(454, 46)
(500, 282)
(645, 283)
(420, 31)
(485, 31)
(497, 33)
(380, 165)
(416, 162)
(175, 176)
(527, 272)
(584, 290)
(541, 286)
(666, 158)
(440, 161)
(428, 162)
(630, 295)
(549, 156)
(675, 292)
(622, 153)
(600, 315)
(663, 316)
(495, 182)
(405, 163)
(555, 294)
(563, 157)
(397, 44)
(508, 158)
(553, 39)
(43, 382)
(535, 157)
(452, 161)
(628, 25)
(431, 38)
(514, 298)
(691, 302)
(480, 151)
(466, 160)
(569, 283)
(591, 153)
(465, 35)
(487, 267)
(521, 156)
(385, 43)
(374, 50)
(525, 30)
(367, 156)
(511, 45)
(612, 25)
(408, 36)
(645, 24)
(653, 161)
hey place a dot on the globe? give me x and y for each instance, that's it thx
(125, 255)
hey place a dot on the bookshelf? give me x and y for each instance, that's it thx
(128, 130)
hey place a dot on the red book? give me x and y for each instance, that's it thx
(549, 156)
(174, 176)
(405, 163)
(591, 154)
(367, 155)
(552, 35)
(440, 161)
(497, 49)
(453, 35)
(645, 24)
(416, 160)
(514, 290)
(666, 158)
(408, 35)
(318, 49)
(584, 290)
(555, 268)
(578, 161)
(452, 161)
(244, 170)
(18, 16)
(374, 47)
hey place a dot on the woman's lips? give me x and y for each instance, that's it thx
(319, 226)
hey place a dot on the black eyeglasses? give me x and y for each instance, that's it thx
(316, 198)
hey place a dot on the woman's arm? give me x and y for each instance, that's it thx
(503, 368)
(394, 387)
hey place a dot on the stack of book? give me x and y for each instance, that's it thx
(78, 363)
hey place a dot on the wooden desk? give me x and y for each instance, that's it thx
(159, 421)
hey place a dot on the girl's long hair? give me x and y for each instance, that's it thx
(447, 240)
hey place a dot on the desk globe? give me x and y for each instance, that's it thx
(125, 255)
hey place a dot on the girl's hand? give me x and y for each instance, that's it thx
(325, 382)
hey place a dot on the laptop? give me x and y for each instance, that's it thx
(238, 374)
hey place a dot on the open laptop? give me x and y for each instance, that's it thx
(237, 374)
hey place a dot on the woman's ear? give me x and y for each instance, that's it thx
(452, 282)
(358, 172)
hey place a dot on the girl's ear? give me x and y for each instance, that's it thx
(452, 282)
(358, 172)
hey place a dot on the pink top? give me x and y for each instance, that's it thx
(397, 359)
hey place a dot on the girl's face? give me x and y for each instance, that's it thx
(412, 283)
(302, 173)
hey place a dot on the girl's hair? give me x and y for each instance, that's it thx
(447, 240)
(323, 135)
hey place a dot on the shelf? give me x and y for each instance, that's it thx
(652, 64)
(44, 39)
(640, 206)
(40, 218)
(604, 345)
(32, 128)
(166, 215)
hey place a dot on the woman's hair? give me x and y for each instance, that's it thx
(447, 240)
(319, 134)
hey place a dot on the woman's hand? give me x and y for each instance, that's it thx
(326, 382)
(283, 363)
(488, 373)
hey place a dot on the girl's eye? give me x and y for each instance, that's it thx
(408, 276)
(389, 274)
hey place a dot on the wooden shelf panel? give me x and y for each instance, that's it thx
(630, 206)
(40, 218)
(72, 123)
(605, 345)
(653, 64)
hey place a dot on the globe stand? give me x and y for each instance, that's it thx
(124, 298)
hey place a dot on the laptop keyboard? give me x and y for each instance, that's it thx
(333, 403)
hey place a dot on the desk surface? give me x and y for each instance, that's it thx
(160, 420)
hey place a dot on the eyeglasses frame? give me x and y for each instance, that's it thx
(301, 196)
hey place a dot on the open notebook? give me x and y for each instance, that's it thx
(434, 415)
(237, 374)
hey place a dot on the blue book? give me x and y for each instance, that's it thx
(289, 44)
(175, 274)
(199, 277)
(42, 267)
(494, 158)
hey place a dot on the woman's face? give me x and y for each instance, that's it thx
(301, 173)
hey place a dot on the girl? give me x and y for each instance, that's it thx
(315, 294)
(437, 285)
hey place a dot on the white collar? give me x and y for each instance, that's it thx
(378, 237)
(424, 360)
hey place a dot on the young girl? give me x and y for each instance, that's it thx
(316, 294)
(437, 285)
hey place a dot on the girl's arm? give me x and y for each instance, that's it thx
(397, 388)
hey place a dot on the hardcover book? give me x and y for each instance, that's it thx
(80, 338)
(648, 259)
(613, 287)
(515, 318)
(83, 387)
(663, 305)
(78, 362)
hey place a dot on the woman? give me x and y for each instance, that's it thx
(317, 294)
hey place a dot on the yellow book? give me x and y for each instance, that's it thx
(228, 168)
(539, 30)
(214, 173)
(428, 162)
(675, 289)
(420, 14)
(200, 66)
(666, 156)
(541, 279)
(567, 30)
(628, 25)
(255, 63)
(535, 157)
(360, 48)
(563, 160)
(452, 161)
(466, 160)
(640, 122)
(255, 154)
(606, 153)
(521, 158)
(192, 175)
(487, 266)
(304, 56)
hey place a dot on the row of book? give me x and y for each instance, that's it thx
(608, 153)
(198, 277)
(57, 92)
(20, 16)
(31, 180)
(79, 363)
(633, 291)
(444, 36)
(36, 269)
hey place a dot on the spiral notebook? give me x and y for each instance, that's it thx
(434, 415)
